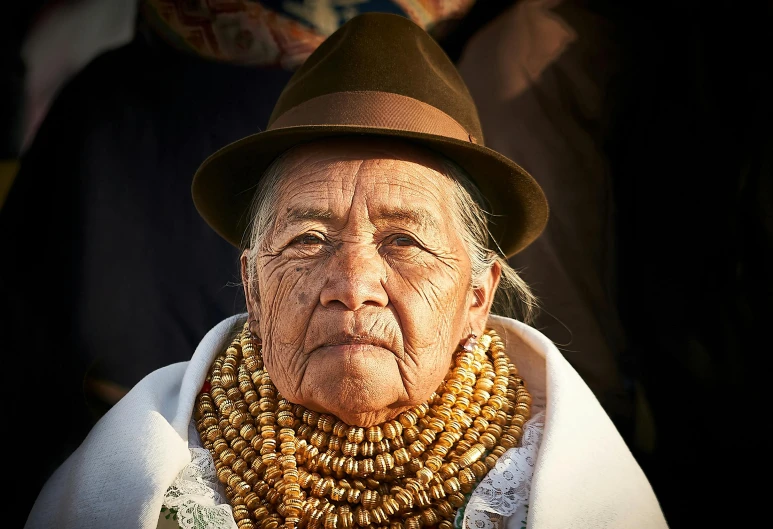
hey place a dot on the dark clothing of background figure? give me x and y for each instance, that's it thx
(545, 83)
(108, 270)
(651, 135)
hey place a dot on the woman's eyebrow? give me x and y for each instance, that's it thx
(417, 216)
(301, 214)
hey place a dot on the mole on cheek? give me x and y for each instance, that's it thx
(303, 297)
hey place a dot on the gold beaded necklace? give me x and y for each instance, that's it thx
(283, 464)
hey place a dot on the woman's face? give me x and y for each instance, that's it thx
(363, 283)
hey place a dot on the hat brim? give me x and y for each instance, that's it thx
(224, 185)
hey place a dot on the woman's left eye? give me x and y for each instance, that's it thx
(403, 240)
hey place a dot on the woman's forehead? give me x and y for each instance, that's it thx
(346, 151)
(383, 172)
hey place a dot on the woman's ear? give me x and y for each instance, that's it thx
(483, 297)
(250, 293)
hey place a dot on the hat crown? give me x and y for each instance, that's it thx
(380, 52)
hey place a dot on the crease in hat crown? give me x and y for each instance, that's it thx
(378, 75)
(361, 67)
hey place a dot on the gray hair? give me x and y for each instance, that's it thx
(513, 297)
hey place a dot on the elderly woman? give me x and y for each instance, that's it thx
(369, 382)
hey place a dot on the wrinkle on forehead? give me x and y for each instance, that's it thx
(319, 173)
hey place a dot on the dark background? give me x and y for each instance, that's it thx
(688, 137)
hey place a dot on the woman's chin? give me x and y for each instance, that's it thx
(358, 406)
(358, 417)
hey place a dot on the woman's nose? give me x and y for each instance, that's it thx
(356, 278)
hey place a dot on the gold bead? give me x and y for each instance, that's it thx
(239, 444)
(448, 470)
(367, 448)
(331, 521)
(239, 466)
(429, 517)
(365, 467)
(392, 429)
(234, 480)
(369, 499)
(379, 516)
(374, 434)
(426, 437)
(350, 448)
(408, 419)
(326, 422)
(416, 449)
(340, 428)
(227, 380)
(318, 439)
(353, 496)
(397, 472)
(287, 448)
(413, 522)
(219, 445)
(451, 485)
(272, 474)
(261, 488)
(437, 492)
(250, 476)
(508, 441)
(424, 475)
(423, 499)
(287, 462)
(227, 456)
(337, 493)
(488, 440)
(410, 434)
(355, 434)
(242, 488)
(269, 523)
(480, 469)
(334, 443)
(363, 517)
(414, 465)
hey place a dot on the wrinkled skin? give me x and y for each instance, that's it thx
(363, 285)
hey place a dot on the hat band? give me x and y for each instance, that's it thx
(372, 109)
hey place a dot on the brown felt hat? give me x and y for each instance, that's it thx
(378, 75)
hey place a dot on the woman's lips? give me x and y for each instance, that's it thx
(354, 348)
(354, 343)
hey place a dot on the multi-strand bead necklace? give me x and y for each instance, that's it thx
(285, 465)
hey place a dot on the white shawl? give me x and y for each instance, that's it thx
(585, 476)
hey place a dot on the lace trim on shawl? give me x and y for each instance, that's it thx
(504, 491)
(197, 495)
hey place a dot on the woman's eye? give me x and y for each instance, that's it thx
(403, 240)
(308, 239)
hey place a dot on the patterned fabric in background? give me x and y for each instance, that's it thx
(279, 32)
